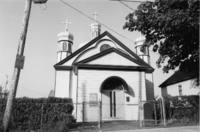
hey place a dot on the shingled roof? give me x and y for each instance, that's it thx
(178, 76)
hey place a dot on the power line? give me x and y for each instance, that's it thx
(127, 6)
(87, 16)
(136, 1)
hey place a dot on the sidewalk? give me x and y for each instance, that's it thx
(168, 129)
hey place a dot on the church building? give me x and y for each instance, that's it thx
(104, 70)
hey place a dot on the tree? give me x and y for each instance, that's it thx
(172, 28)
(1, 91)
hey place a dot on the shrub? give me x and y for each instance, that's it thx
(184, 108)
(33, 114)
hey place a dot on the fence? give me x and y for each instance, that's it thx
(99, 114)
(173, 111)
(160, 112)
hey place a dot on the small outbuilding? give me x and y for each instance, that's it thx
(179, 84)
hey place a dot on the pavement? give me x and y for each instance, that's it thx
(132, 126)
(167, 129)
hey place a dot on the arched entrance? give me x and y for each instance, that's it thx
(113, 98)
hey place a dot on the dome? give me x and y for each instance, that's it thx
(66, 36)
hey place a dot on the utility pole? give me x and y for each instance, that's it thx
(6, 83)
(19, 63)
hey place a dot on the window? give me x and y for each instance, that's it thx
(64, 46)
(127, 99)
(104, 47)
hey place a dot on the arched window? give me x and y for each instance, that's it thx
(104, 47)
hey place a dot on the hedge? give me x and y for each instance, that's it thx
(184, 109)
(33, 114)
(180, 110)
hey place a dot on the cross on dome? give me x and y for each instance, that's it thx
(67, 22)
(95, 14)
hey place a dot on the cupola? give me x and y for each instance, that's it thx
(65, 42)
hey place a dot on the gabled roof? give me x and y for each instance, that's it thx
(110, 50)
(140, 66)
(178, 76)
(106, 33)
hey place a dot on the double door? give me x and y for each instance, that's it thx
(117, 104)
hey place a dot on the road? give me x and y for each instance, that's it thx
(169, 129)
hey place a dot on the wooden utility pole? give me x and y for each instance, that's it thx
(19, 63)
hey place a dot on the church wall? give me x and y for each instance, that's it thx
(143, 85)
(62, 84)
(149, 86)
(89, 82)
(74, 91)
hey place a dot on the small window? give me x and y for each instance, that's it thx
(104, 47)
(64, 46)
(127, 99)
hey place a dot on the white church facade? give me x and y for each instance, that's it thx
(103, 70)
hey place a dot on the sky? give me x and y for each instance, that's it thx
(46, 21)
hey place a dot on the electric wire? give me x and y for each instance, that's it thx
(135, 1)
(127, 6)
(87, 16)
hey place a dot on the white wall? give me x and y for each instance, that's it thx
(89, 81)
(62, 84)
(188, 88)
(113, 59)
(149, 86)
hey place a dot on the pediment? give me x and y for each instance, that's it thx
(112, 57)
(93, 47)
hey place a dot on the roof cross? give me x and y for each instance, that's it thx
(95, 14)
(67, 22)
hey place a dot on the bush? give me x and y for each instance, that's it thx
(33, 114)
(184, 109)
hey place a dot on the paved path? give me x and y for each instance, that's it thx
(169, 129)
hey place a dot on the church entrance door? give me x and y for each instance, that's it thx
(113, 98)
(117, 104)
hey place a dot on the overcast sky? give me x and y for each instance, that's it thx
(46, 21)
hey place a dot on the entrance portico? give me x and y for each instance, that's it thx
(113, 98)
